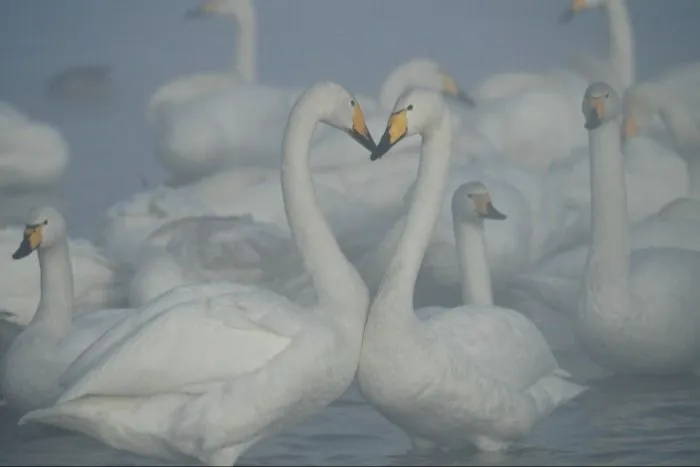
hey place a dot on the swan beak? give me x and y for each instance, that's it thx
(30, 241)
(396, 129)
(486, 209)
(204, 9)
(594, 115)
(631, 128)
(577, 6)
(359, 131)
(450, 88)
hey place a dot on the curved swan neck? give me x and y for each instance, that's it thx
(621, 41)
(336, 281)
(473, 264)
(246, 47)
(396, 289)
(607, 270)
(56, 303)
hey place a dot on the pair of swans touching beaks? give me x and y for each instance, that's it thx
(206, 371)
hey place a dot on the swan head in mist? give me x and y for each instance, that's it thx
(344, 113)
(420, 72)
(240, 9)
(45, 227)
(577, 6)
(600, 104)
(471, 202)
(639, 110)
(415, 112)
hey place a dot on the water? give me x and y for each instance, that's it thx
(619, 421)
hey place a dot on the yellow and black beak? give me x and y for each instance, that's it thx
(396, 129)
(485, 208)
(595, 113)
(631, 127)
(577, 6)
(204, 9)
(450, 89)
(31, 240)
(359, 131)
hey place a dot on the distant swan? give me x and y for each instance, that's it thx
(474, 374)
(210, 377)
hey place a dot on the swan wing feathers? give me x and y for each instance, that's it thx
(501, 343)
(209, 333)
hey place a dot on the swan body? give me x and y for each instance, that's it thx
(474, 374)
(98, 283)
(234, 363)
(212, 248)
(33, 155)
(31, 366)
(638, 312)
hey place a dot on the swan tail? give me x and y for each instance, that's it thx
(553, 391)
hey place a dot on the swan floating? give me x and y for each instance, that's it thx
(475, 374)
(209, 377)
(639, 311)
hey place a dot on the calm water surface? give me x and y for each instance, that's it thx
(619, 421)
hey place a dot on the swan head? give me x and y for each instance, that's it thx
(45, 227)
(640, 108)
(472, 202)
(342, 110)
(415, 112)
(600, 104)
(420, 72)
(577, 6)
(241, 9)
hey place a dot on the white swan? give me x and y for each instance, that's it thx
(475, 373)
(32, 364)
(644, 102)
(637, 312)
(33, 155)
(98, 283)
(210, 378)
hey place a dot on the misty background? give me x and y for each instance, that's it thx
(147, 43)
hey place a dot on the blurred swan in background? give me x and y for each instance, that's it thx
(240, 350)
(474, 374)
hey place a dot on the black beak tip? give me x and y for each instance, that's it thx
(463, 97)
(566, 17)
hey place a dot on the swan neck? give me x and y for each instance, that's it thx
(246, 48)
(335, 280)
(56, 281)
(396, 289)
(607, 269)
(472, 261)
(621, 41)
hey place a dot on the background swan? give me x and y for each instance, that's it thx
(240, 350)
(638, 312)
(443, 379)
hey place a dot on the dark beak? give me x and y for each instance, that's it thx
(24, 250)
(493, 213)
(592, 120)
(567, 16)
(465, 99)
(366, 141)
(384, 145)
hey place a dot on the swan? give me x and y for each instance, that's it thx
(33, 155)
(161, 383)
(645, 101)
(638, 312)
(444, 379)
(98, 283)
(31, 366)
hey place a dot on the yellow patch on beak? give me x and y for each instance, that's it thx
(397, 126)
(449, 85)
(598, 105)
(578, 6)
(359, 125)
(481, 204)
(631, 127)
(31, 240)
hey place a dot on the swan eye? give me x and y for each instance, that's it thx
(352, 103)
(46, 222)
(470, 195)
(607, 94)
(410, 107)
